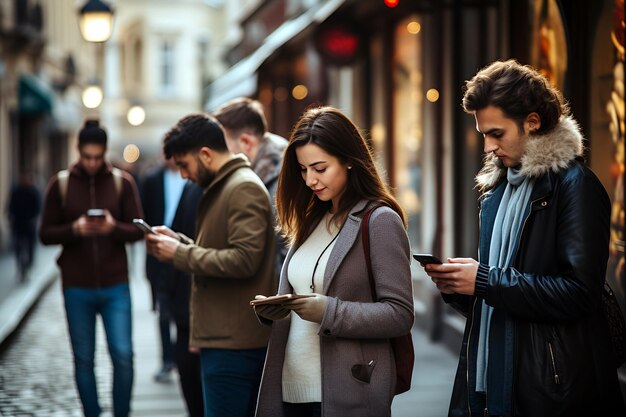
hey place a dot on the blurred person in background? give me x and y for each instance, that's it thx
(231, 259)
(161, 191)
(169, 199)
(245, 129)
(23, 209)
(89, 209)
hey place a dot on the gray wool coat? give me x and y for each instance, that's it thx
(354, 330)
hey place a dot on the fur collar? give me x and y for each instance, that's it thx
(552, 151)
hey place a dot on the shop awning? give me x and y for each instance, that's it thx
(35, 97)
(241, 78)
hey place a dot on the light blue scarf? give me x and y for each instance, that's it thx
(504, 237)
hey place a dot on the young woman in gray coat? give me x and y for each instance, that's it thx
(329, 354)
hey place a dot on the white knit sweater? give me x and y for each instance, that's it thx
(302, 380)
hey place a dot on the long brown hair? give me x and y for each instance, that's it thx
(299, 210)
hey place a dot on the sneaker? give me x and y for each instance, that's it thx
(165, 374)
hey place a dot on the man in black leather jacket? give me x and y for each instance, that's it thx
(536, 340)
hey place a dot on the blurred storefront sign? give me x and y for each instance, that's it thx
(241, 79)
(34, 96)
(339, 44)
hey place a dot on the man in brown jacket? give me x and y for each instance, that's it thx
(89, 210)
(232, 260)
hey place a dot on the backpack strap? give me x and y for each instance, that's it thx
(117, 180)
(64, 178)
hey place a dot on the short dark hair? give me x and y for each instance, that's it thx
(242, 114)
(192, 133)
(517, 90)
(92, 133)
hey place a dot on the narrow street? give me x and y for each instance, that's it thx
(36, 370)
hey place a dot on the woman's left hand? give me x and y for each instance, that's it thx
(309, 308)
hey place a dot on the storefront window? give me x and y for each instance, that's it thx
(408, 109)
(549, 49)
(607, 130)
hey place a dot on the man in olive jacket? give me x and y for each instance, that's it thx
(232, 260)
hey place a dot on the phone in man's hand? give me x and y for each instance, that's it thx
(426, 258)
(145, 227)
(96, 213)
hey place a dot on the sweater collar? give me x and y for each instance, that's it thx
(551, 152)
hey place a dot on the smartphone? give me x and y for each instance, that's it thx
(277, 299)
(98, 213)
(426, 258)
(145, 227)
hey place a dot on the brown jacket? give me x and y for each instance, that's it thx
(232, 260)
(91, 262)
(354, 330)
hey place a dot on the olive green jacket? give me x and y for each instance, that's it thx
(232, 260)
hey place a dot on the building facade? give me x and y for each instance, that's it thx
(160, 57)
(398, 68)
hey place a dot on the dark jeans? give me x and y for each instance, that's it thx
(24, 247)
(302, 409)
(188, 365)
(113, 304)
(230, 381)
(166, 318)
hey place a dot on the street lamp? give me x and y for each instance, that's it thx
(92, 96)
(96, 21)
(136, 115)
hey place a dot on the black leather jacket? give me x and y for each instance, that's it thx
(549, 352)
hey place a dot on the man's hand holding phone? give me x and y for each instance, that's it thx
(458, 275)
(95, 222)
(162, 243)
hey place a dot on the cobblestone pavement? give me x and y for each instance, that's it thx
(37, 370)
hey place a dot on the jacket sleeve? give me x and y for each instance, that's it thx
(248, 217)
(55, 229)
(125, 230)
(459, 302)
(392, 314)
(581, 256)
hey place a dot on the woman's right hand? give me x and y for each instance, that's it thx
(270, 311)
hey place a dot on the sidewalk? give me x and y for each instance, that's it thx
(16, 298)
(433, 373)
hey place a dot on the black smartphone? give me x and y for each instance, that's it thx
(145, 227)
(426, 258)
(97, 213)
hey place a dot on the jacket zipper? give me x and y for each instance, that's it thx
(92, 194)
(469, 336)
(557, 380)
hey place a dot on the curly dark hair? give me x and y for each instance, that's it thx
(517, 90)
(193, 132)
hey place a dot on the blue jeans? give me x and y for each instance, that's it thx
(230, 381)
(114, 306)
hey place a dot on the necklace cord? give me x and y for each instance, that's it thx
(312, 286)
